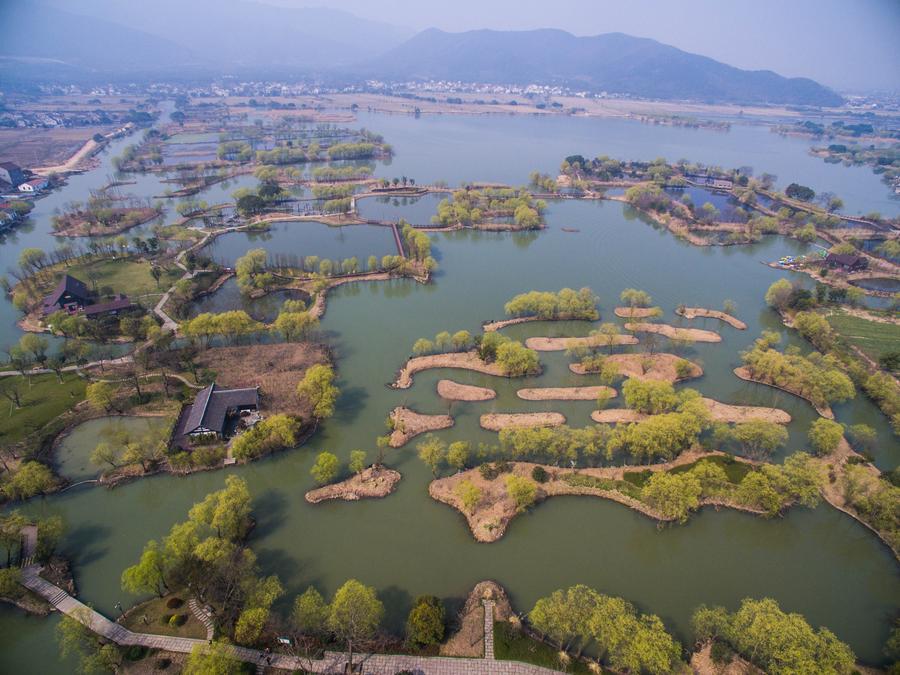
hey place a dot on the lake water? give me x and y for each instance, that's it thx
(818, 562)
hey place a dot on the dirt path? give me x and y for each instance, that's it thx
(460, 360)
(673, 333)
(408, 424)
(372, 483)
(454, 391)
(499, 421)
(700, 312)
(566, 393)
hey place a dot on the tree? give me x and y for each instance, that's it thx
(469, 494)
(101, 395)
(673, 495)
(522, 491)
(462, 339)
(32, 478)
(212, 659)
(425, 623)
(355, 614)
(310, 614)
(759, 437)
(825, 435)
(34, 346)
(778, 294)
(148, 575)
(635, 298)
(325, 469)
(317, 386)
(458, 454)
(294, 325)
(422, 346)
(357, 461)
(432, 451)
(515, 359)
(649, 396)
(250, 625)
(862, 437)
(76, 639)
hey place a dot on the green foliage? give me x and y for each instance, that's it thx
(521, 490)
(232, 325)
(672, 495)
(875, 500)
(269, 435)
(458, 454)
(516, 360)
(566, 304)
(326, 468)
(432, 451)
(425, 623)
(636, 298)
(778, 294)
(649, 396)
(472, 208)
(357, 461)
(310, 613)
(825, 435)
(355, 613)
(469, 494)
(758, 437)
(212, 659)
(32, 478)
(317, 386)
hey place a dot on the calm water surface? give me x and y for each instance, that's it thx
(818, 562)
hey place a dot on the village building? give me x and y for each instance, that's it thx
(72, 295)
(215, 414)
(847, 262)
(34, 185)
(11, 173)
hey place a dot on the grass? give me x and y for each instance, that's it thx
(733, 469)
(872, 337)
(147, 618)
(123, 275)
(42, 401)
(512, 645)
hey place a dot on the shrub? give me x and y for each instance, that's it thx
(163, 664)
(209, 455)
(174, 603)
(165, 619)
(539, 474)
(584, 480)
(491, 470)
(136, 652)
(178, 620)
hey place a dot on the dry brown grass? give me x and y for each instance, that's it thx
(275, 368)
(42, 147)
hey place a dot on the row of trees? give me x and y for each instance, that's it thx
(470, 207)
(565, 304)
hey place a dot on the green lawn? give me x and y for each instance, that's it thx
(733, 469)
(511, 645)
(122, 275)
(873, 338)
(42, 401)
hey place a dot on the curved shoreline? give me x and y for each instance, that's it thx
(461, 360)
(744, 373)
(566, 393)
(455, 391)
(662, 367)
(718, 412)
(673, 333)
(500, 421)
(491, 518)
(700, 312)
(408, 424)
(373, 483)
(557, 344)
(636, 312)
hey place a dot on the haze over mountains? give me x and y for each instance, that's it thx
(196, 37)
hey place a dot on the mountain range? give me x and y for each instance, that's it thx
(212, 37)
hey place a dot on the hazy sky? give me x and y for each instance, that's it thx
(842, 43)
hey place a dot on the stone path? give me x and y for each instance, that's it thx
(203, 616)
(332, 662)
(29, 544)
(488, 629)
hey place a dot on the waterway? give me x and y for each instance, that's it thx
(817, 562)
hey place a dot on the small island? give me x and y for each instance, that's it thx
(372, 483)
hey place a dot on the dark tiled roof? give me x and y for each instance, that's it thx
(847, 259)
(211, 405)
(71, 285)
(10, 166)
(114, 305)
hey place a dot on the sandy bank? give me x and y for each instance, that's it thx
(719, 412)
(498, 421)
(636, 312)
(566, 393)
(558, 344)
(374, 482)
(454, 391)
(491, 326)
(491, 517)
(468, 640)
(744, 373)
(645, 366)
(673, 333)
(700, 312)
(408, 424)
(461, 360)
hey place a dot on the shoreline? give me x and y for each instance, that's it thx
(660, 366)
(558, 344)
(459, 360)
(375, 482)
(500, 421)
(455, 391)
(700, 312)
(675, 333)
(408, 424)
(744, 373)
(566, 393)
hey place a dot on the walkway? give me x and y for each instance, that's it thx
(203, 616)
(488, 629)
(333, 662)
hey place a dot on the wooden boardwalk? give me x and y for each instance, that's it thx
(333, 662)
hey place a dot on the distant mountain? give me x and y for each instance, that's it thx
(212, 35)
(613, 62)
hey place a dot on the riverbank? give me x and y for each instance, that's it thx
(566, 393)
(407, 424)
(718, 412)
(454, 391)
(458, 360)
(500, 421)
(674, 333)
(700, 312)
(743, 372)
(558, 344)
(660, 366)
(374, 482)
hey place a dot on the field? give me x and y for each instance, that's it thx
(873, 338)
(42, 401)
(123, 276)
(30, 148)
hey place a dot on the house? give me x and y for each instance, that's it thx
(210, 413)
(34, 185)
(11, 173)
(73, 296)
(721, 184)
(847, 261)
(70, 295)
